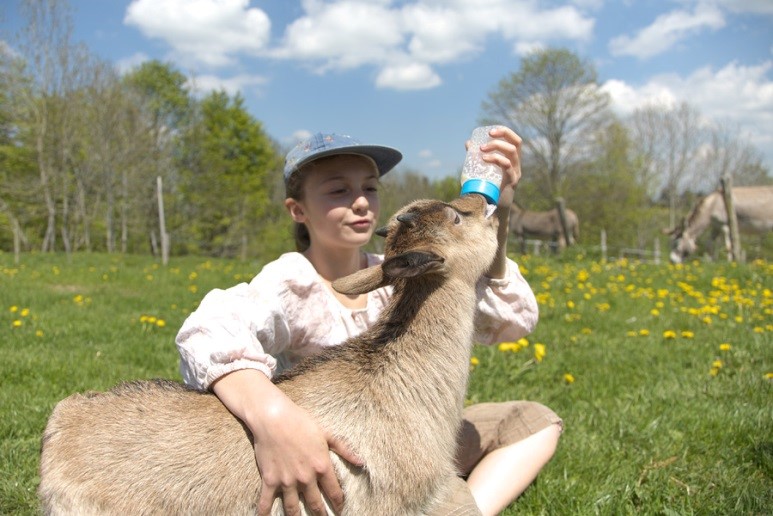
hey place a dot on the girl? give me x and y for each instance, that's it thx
(238, 338)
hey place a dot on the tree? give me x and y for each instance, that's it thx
(555, 104)
(227, 164)
(669, 141)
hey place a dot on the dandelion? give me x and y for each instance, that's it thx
(568, 378)
(16, 324)
(38, 333)
(687, 334)
(717, 363)
(24, 312)
(570, 304)
(725, 346)
(474, 361)
(759, 329)
(78, 299)
(739, 318)
(539, 352)
(669, 334)
(160, 323)
(644, 332)
(193, 289)
(631, 333)
(13, 309)
(769, 376)
(654, 312)
(586, 331)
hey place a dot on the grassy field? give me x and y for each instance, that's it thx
(662, 374)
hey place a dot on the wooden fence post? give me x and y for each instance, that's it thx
(162, 222)
(562, 219)
(603, 246)
(726, 183)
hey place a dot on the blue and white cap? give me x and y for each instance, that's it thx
(320, 145)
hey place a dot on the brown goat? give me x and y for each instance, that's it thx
(394, 394)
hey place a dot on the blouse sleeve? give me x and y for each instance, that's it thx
(507, 308)
(232, 329)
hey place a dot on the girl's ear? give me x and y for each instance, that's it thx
(296, 210)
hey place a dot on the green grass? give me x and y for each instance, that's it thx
(652, 425)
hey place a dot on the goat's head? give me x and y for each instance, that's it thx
(431, 237)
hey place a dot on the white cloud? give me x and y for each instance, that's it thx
(411, 76)
(406, 41)
(127, 64)
(666, 31)
(202, 31)
(738, 94)
(207, 83)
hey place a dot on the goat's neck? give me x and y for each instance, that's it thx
(435, 310)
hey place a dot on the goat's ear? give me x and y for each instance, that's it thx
(361, 282)
(412, 263)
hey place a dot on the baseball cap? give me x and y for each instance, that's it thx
(321, 144)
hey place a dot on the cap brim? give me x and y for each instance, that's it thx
(386, 158)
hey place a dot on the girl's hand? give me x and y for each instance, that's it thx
(291, 450)
(292, 455)
(504, 150)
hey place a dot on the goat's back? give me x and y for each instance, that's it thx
(92, 443)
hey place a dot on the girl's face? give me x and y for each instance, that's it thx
(340, 201)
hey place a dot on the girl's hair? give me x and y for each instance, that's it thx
(294, 189)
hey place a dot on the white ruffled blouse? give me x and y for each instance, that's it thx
(286, 313)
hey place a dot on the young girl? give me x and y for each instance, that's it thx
(238, 338)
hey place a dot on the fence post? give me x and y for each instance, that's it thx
(603, 245)
(162, 222)
(562, 219)
(726, 183)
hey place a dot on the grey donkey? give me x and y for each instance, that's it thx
(393, 394)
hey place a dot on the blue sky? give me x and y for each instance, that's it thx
(412, 74)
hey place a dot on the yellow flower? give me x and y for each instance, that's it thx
(586, 331)
(504, 347)
(717, 364)
(644, 332)
(769, 376)
(39, 333)
(687, 334)
(568, 378)
(739, 318)
(724, 346)
(539, 352)
(714, 371)
(24, 312)
(160, 323)
(193, 289)
(631, 333)
(13, 309)
(78, 300)
(759, 329)
(570, 304)
(669, 334)
(16, 323)
(654, 312)
(474, 361)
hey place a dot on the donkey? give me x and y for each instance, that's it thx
(754, 210)
(394, 394)
(545, 225)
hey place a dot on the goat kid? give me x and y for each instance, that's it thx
(394, 394)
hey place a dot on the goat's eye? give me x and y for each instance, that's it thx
(457, 219)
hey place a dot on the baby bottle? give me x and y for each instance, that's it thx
(477, 175)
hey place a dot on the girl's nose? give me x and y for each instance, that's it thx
(360, 202)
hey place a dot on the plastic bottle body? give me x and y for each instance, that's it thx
(477, 175)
